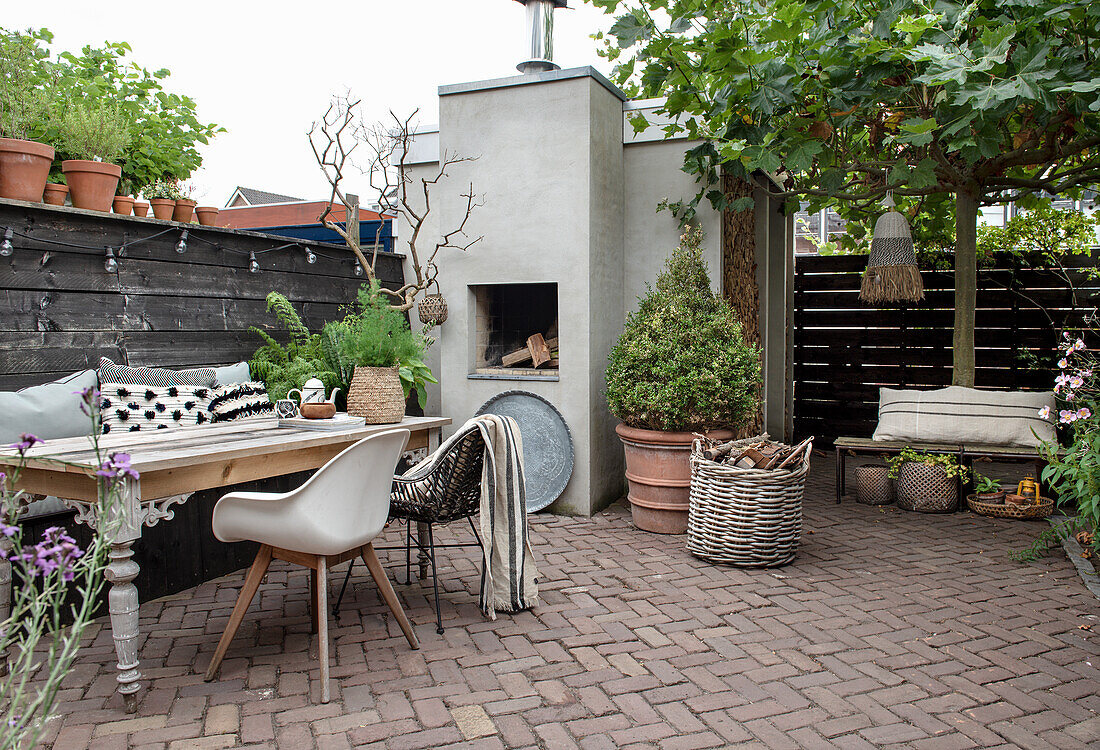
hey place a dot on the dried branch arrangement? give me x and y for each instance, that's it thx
(334, 140)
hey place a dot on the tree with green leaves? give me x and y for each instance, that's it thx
(843, 100)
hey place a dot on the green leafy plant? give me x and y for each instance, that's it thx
(681, 362)
(306, 355)
(377, 335)
(984, 484)
(94, 131)
(24, 98)
(1049, 234)
(168, 190)
(945, 461)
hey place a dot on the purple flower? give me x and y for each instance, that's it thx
(8, 531)
(26, 442)
(89, 398)
(56, 552)
(117, 467)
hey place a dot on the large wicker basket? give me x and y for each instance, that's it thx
(745, 517)
(376, 395)
(874, 485)
(926, 488)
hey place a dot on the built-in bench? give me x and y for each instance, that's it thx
(965, 454)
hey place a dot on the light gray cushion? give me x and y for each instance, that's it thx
(231, 374)
(967, 416)
(47, 411)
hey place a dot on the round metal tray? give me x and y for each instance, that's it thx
(547, 444)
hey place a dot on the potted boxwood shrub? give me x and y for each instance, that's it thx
(927, 482)
(24, 109)
(680, 366)
(377, 340)
(162, 195)
(93, 135)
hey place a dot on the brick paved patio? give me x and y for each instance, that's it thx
(890, 629)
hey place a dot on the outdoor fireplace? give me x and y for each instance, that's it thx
(516, 329)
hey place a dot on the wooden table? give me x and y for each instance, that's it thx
(172, 465)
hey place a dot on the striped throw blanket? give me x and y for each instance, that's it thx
(509, 580)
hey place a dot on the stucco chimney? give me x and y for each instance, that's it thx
(539, 32)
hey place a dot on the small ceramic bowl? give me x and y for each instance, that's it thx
(318, 411)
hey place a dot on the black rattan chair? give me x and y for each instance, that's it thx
(446, 488)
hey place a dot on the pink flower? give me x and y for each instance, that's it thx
(1076, 381)
(1065, 416)
(1063, 363)
(1045, 412)
(1079, 345)
(1083, 413)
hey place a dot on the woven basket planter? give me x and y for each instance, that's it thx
(376, 395)
(1007, 510)
(432, 309)
(745, 517)
(874, 485)
(926, 489)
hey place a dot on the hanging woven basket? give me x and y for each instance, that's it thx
(892, 272)
(432, 309)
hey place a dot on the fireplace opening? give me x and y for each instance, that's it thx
(516, 329)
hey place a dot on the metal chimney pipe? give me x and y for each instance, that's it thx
(539, 31)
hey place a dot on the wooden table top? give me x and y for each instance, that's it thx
(192, 446)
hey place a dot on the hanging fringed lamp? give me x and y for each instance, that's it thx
(892, 273)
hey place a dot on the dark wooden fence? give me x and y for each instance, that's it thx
(845, 350)
(60, 310)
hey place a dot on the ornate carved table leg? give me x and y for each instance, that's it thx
(5, 602)
(122, 600)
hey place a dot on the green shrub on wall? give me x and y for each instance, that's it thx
(681, 362)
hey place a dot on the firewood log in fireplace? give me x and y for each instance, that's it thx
(536, 343)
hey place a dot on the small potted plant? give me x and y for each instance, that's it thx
(93, 136)
(988, 490)
(24, 110)
(377, 340)
(141, 208)
(927, 482)
(162, 195)
(681, 366)
(124, 202)
(185, 204)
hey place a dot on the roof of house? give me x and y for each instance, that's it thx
(260, 197)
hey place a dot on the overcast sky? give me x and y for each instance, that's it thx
(266, 70)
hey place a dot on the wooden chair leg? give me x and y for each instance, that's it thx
(379, 574)
(320, 610)
(244, 599)
(313, 620)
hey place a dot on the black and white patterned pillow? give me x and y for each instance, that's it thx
(126, 407)
(109, 372)
(241, 401)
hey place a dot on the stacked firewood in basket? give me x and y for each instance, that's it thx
(756, 453)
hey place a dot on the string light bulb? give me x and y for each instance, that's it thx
(6, 248)
(181, 246)
(358, 269)
(311, 257)
(253, 264)
(109, 263)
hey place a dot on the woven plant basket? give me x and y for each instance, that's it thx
(874, 485)
(1008, 510)
(376, 395)
(745, 517)
(432, 309)
(926, 489)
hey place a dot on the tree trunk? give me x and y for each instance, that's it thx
(739, 274)
(966, 286)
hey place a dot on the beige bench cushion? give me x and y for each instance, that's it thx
(965, 415)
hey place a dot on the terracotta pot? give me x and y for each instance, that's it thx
(141, 208)
(658, 471)
(124, 205)
(995, 498)
(184, 210)
(55, 194)
(92, 184)
(24, 169)
(163, 208)
(208, 215)
(323, 410)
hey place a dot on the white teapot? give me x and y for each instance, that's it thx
(313, 392)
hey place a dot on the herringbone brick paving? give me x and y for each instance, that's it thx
(890, 629)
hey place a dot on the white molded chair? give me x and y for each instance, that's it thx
(331, 518)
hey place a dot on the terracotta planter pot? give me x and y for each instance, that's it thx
(658, 471)
(124, 205)
(208, 215)
(184, 210)
(55, 194)
(92, 184)
(141, 208)
(24, 169)
(163, 208)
